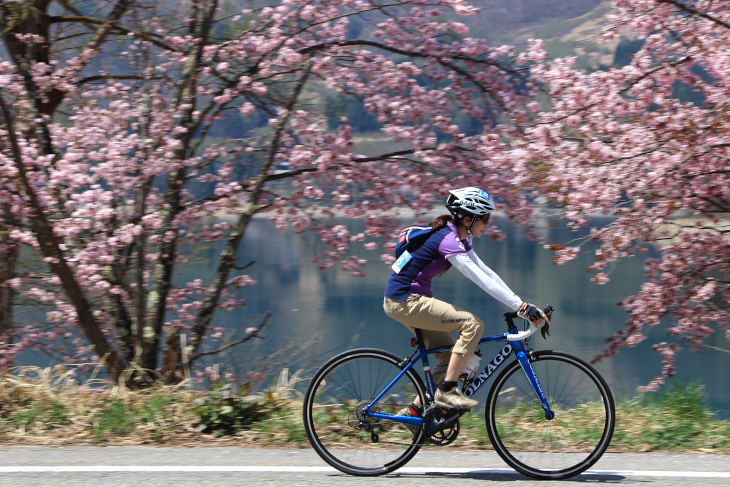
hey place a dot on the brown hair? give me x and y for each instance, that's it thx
(440, 222)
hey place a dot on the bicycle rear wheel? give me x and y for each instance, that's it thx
(570, 442)
(333, 417)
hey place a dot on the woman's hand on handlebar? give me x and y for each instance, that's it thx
(532, 313)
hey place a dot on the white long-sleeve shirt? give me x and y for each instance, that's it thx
(477, 271)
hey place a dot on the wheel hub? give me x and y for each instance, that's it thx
(362, 415)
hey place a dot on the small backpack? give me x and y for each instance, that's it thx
(409, 240)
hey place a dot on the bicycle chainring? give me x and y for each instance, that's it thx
(441, 426)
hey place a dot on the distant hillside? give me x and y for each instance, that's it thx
(569, 27)
(513, 17)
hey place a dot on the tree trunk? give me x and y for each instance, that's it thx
(27, 20)
(228, 255)
(162, 274)
(49, 244)
(172, 363)
(8, 263)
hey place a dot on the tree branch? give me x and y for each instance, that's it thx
(121, 30)
(402, 52)
(235, 344)
(243, 267)
(381, 157)
(105, 26)
(694, 11)
(228, 254)
(297, 172)
(91, 79)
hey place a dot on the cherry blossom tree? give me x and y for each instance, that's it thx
(622, 142)
(20, 20)
(114, 191)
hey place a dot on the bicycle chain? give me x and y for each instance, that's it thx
(432, 444)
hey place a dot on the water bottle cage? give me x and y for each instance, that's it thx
(467, 382)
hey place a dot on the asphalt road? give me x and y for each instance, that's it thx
(199, 466)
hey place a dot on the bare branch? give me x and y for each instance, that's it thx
(106, 26)
(244, 267)
(408, 53)
(694, 11)
(92, 79)
(235, 344)
(389, 155)
(155, 39)
(228, 254)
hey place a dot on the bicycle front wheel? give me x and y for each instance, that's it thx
(338, 429)
(569, 442)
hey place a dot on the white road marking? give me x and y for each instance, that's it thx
(409, 470)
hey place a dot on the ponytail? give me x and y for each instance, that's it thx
(440, 222)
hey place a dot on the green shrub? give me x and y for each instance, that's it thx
(224, 412)
(683, 414)
(41, 414)
(113, 420)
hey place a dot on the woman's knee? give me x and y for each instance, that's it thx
(473, 329)
(478, 328)
(469, 338)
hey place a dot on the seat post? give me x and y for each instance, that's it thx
(419, 338)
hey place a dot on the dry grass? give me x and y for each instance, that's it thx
(675, 419)
(47, 407)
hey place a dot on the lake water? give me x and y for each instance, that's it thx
(318, 314)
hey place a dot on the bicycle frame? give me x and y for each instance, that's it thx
(517, 347)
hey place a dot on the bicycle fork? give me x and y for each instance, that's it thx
(524, 360)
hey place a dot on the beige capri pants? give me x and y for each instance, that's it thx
(437, 321)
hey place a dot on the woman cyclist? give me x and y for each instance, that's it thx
(409, 300)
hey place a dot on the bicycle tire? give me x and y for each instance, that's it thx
(569, 443)
(349, 380)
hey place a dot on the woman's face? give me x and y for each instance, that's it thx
(479, 226)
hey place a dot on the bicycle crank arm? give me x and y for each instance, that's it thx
(447, 422)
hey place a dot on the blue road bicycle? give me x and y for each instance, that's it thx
(549, 415)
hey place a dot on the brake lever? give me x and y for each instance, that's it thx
(545, 330)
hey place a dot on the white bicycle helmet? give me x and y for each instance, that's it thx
(469, 202)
